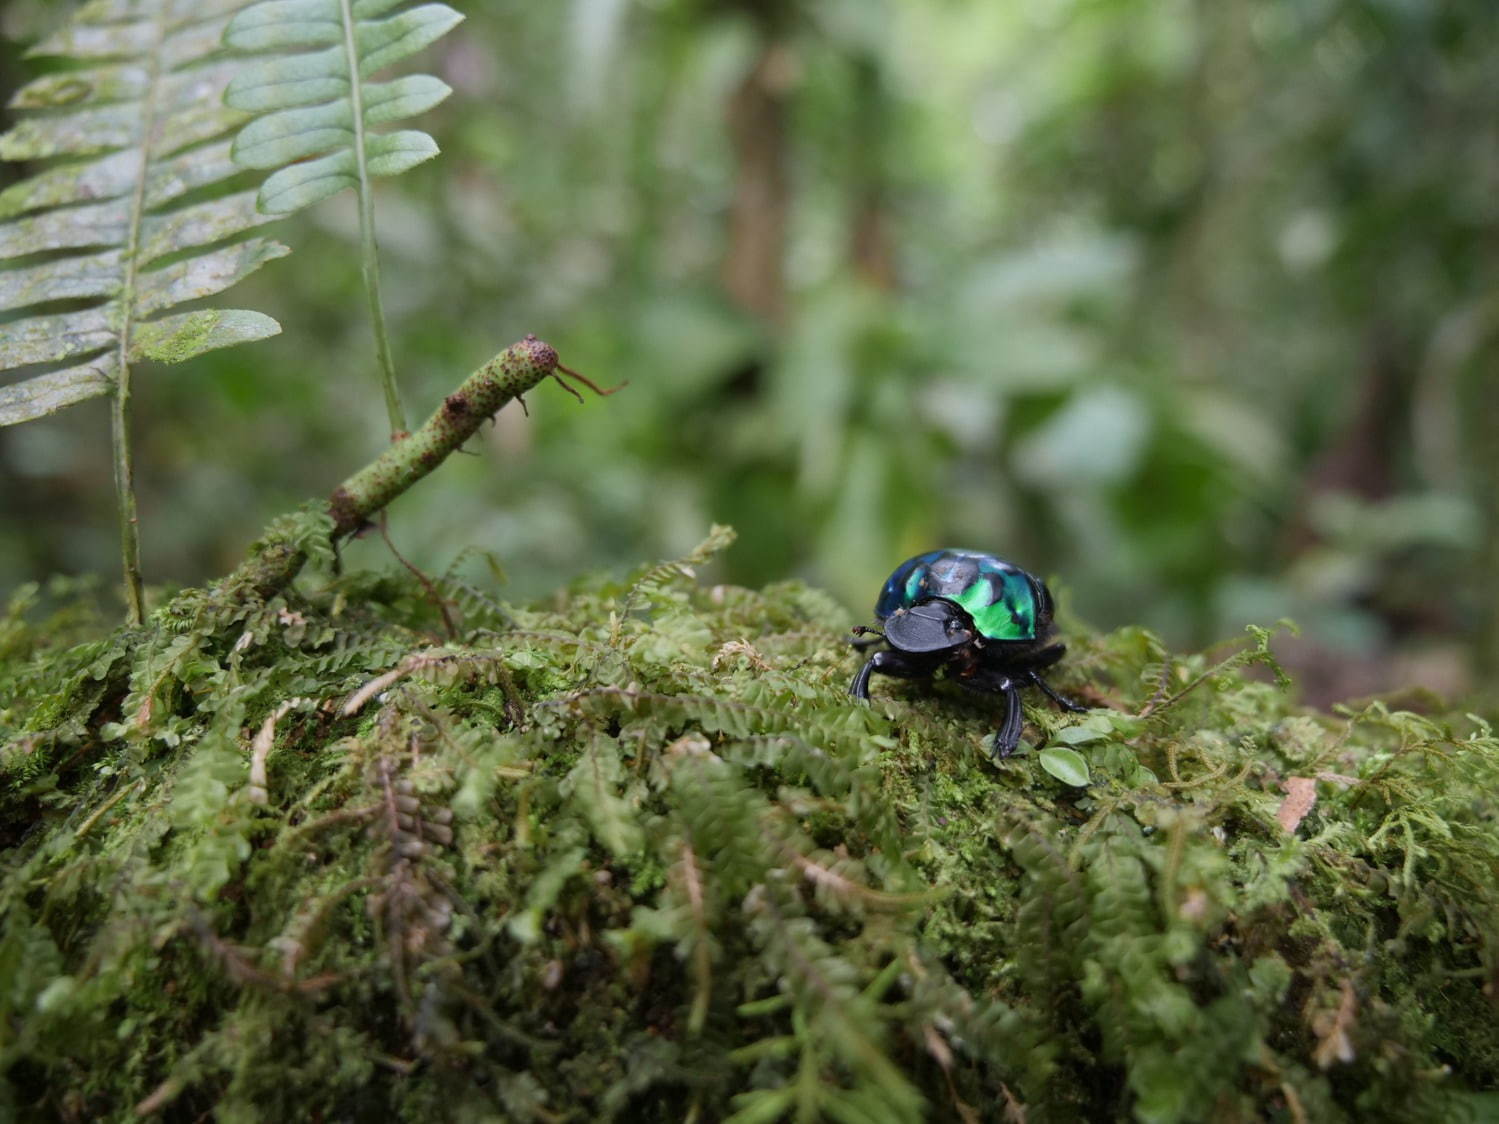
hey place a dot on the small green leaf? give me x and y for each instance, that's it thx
(40, 339)
(193, 278)
(382, 42)
(278, 138)
(84, 132)
(285, 83)
(107, 177)
(303, 184)
(1067, 765)
(278, 24)
(1123, 725)
(78, 87)
(405, 97)
(92, 275)
(83, 38)
(96, 224)
(198, 224)
(1078, 735)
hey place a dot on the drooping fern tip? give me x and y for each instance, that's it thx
(309, 81)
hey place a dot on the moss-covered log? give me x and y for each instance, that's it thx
(633, 854)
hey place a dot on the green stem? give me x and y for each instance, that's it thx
(368, 250)
(371, 271)
(130, 539)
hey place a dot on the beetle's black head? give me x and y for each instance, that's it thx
(929, 626)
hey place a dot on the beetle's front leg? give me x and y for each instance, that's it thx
(991, 681)
(886, 663)
(1008, 735)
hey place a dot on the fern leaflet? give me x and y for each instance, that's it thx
(319, 103)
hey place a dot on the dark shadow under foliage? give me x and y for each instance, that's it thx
(632, 854)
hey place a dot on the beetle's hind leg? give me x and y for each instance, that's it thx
(1045, 657)
(1061, 700)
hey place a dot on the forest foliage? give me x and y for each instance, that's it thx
(1189, 303)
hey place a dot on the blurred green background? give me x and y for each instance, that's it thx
(1189, 305)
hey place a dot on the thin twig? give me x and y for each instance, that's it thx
(260, 749)
(98, 813)
(432, 593)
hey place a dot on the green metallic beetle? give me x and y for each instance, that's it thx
(986, 621)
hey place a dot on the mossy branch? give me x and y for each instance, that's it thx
(280, 555)
(505, 377)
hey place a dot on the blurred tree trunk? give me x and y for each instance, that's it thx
(1358, 460)
(870, 248)
(753, 269)
(1483, 440)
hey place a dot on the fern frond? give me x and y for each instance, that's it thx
(593, 784)
(654, 581)
(318, 105)
(124, 226)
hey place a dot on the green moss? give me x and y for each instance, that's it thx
(633, 854)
